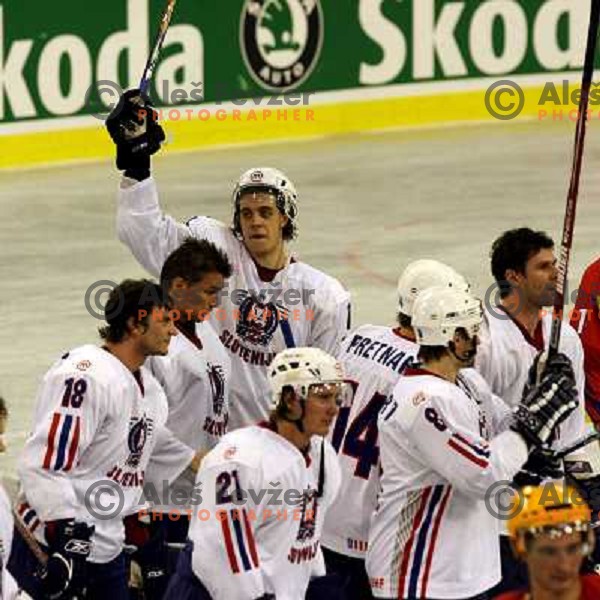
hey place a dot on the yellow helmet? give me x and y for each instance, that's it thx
(552, 508)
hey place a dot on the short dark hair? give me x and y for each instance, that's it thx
(404, 320)
(131, 299)
(512, 250)
(3, 408)
(193, 260)
(431, 353)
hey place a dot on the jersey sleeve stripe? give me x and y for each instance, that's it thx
(228, 542)
(474, 459)
(239, 535)
(477, 448)
(434, 534)
(50, 443)
(251, 541)
(74, 445)
(62, 442)
(420, 548)
(408, 548)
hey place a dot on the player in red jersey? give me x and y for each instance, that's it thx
(585, 319)
(552, 533)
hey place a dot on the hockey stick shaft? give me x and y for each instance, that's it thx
(165, 21)
(571, 206)
(590, 438)
(30, 540)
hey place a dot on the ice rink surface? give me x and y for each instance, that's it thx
(369, 204)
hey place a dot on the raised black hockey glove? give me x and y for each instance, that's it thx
(134, 128)
(541, 465)
(546, 405)
(65, 573)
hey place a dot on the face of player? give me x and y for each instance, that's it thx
(538, 285)
(321, 409)
(554, 563)
(155, 336)
(465, 348)
(195, 300)
(262, 224)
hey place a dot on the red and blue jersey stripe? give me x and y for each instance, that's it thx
(417, 555)
(476, 453)
(63, 441)
(239, 540)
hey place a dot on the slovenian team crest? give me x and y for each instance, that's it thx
(139, 429)
(308, 520)
(216, 376)
(281, 41)
(257, 321)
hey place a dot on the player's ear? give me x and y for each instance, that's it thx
(513, 277)
(290, 401)
(284, 220)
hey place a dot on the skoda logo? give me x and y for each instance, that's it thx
(281, 41)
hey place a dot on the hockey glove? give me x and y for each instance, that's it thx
(541, 465)
(134, 128)
(65, 573)
(147, 541)
(546, 405)
(558, 363)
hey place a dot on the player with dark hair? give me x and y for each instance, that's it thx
(514, 333)
(375, 357)
(274, 301)
(552, 534)
(256, 544)
(514, 273)
(195, 375)
(445, 439)
(99, 416)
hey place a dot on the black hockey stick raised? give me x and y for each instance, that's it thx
(165, 21)
(569, 221)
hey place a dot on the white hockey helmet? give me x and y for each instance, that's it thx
(303, 368)
(275, 182)
(422, 274)
(439, 311)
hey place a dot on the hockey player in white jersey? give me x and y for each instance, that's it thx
(513, 333)
(375, 356)
(195, 376)
(99, 415)
(269, 486)
(444, 442)
(273, 300)
(8, 586)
